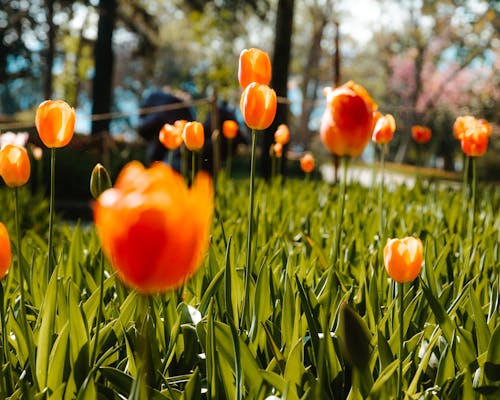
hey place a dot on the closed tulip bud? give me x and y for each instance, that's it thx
(347, 123)
(258, 105)
(171, 136)
(282, 134)
(5, 252)
(55, 122)
(194, 135)
(254, 66)
(384, 129)
(99, 181)
(354, 337)
(403, 258)
(307, 163)
(153, 228)
(229, 129)
(15, 165)
(421, 134)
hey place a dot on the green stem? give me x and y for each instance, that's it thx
(401, 337)
(170, 158)
(246, 294)
(229, 156)
(193, 165)
(51, 210)
(474, 188)
(6, 385)
(22, 280)
(99, 311)
(341, 208)
(465, 179)
(381, 192)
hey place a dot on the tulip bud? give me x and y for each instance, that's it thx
(354, 337)
(99, 180)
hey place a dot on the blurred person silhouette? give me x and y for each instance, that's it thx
(150, 123)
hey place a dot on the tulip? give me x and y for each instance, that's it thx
(384, 129)
(258, 106)
(277, 150)
(282, 134)
(403, 258)
(14, 165)
(462, 124)
(347, 123)
(55, 122)
(421, 134)
(5, 252)
(254, 66)
(229, 129)
(99, 180)
(194, 135)
(307, 163)
(474, 143)
(163, 229)
(170, 136)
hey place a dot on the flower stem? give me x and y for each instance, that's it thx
(381, 193)
(193, 165)
(170, 158)
(51, 210)
(474, 188)
(401, 337)
(22, 280)
(99, 310)
(249, 231)
(229, 156)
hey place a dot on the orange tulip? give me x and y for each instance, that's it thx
(258, 106)
(5, 251)
(230, 129)
(462, 124)
(282, 134)
(421, 134)
(474, 142)
(14, 165)
(277, 150)
(55, 122)
(403, 258)
(347, 123)
(194, 135)
(384, 129)
(153, 228)
(170, 136)
(254, 66)
(307, 163)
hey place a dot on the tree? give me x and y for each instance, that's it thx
(279, 81)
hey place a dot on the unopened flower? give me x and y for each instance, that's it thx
(403, 258)
(254, 66)
(15, 167)
(258, 105)
(229, 129)
(55, 122)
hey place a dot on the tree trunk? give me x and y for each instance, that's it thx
(51, 40)
(279, 81)
(310, 74)
(103, 59)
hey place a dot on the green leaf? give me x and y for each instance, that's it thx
(492, 364)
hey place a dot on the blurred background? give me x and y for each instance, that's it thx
(426, 62)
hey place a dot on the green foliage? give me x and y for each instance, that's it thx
(158, 348)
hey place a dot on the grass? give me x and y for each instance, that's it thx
(189, 345)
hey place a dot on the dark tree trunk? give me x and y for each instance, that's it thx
(103, 58)
(51, 36)
(279, 80)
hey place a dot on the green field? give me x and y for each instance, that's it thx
(319, 325)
